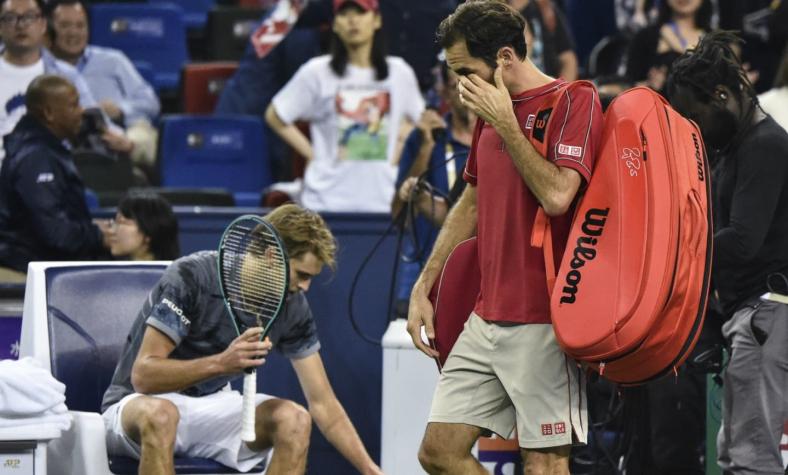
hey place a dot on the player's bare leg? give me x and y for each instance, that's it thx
(446, 449)
(285, 426)
(547, 461)
(152, 423)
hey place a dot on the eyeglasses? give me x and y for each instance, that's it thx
(11, 19)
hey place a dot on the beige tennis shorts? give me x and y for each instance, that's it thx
(499, 377)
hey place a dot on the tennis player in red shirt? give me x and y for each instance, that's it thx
(506, 370)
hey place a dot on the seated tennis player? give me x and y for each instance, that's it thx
(170, 393)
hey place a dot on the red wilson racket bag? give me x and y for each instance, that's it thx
(630, 294)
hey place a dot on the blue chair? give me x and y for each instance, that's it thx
(76, 318)
(214, 151)
(195, 12)
(152, 33)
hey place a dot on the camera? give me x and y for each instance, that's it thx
(93, 127)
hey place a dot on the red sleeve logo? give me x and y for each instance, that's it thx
(547, 429)
(560, 428)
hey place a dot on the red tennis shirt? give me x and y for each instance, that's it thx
(513, 281)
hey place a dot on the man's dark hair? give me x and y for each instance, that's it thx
(710, 64)
(339, 55)
(702, 15)
(155, 219)
(39, 3)
(53, 4)
(486, 26)
(40, 91)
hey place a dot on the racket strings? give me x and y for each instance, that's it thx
(255, 273)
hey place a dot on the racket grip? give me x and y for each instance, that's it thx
(248, 408)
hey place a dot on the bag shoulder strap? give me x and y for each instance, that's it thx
(541, 235)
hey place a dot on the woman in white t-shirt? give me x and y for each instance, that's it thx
(360, 103)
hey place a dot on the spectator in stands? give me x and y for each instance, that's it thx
(359, 103)
(436, 151)
(43, 215)
(113, 80)
(257, 79)
(552, 49)
(410, 28)
(22, 28)
(170, 393)
(709, 85)
(145, 228)
(775, 101)
(763, 24)
(679, 26)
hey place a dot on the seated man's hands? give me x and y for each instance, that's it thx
(117, 142)
(111, 109)
(246, 351)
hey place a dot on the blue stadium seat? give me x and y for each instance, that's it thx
(152, 33)
(195, 12)
(76, 319)
(214, 151)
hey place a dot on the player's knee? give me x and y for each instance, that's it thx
(293, 423)
(159, 419)
(432, 456)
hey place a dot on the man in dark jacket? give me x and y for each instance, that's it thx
(749, 153)
(43, 215)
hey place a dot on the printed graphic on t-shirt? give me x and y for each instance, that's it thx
(14, 103)
(363, 116)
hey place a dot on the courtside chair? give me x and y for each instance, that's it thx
(202, 84)
(152, 33)
(215, 151)
(76, 318)
(195, 12)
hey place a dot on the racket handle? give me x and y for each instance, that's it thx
(248, 408)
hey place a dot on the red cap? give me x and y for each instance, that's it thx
(366, 5)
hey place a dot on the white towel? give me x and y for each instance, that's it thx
(60, 421)
(28, 390)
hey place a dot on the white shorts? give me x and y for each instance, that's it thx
(499, 377)
(209, 427)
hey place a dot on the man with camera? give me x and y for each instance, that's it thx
(22, 30)
(122, 93)
(429, 179)
(43, 215)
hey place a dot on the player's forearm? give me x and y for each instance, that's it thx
(545, 180)
(334, 424)
(459, 225)
(152, 374)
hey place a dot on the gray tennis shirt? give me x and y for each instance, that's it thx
(187, 306)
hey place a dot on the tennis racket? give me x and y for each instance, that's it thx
(253, 275)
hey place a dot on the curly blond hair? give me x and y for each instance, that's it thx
(304, 231)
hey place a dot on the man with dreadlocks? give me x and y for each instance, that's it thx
(750, 158)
